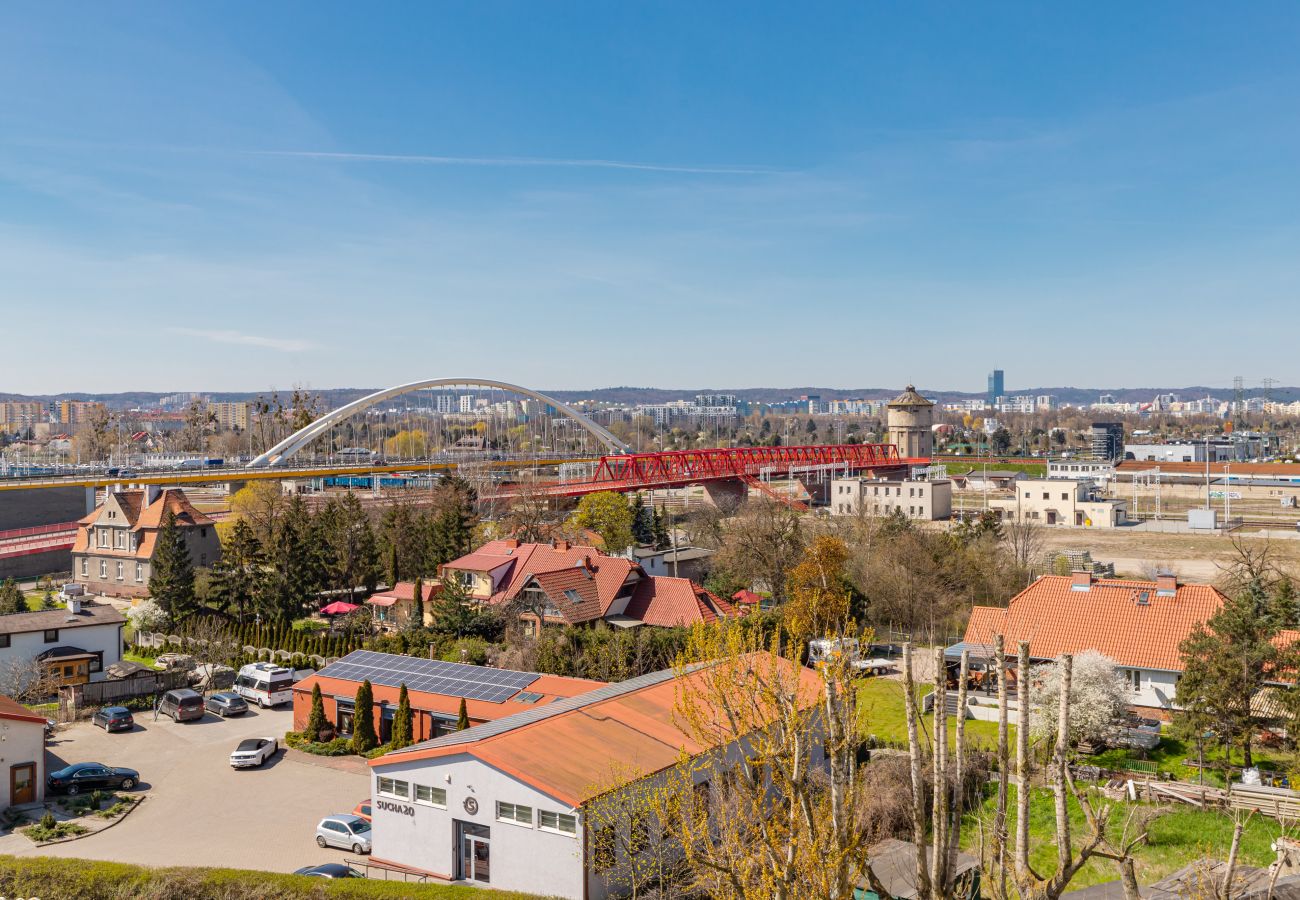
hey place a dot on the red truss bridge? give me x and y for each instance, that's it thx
(678, 468)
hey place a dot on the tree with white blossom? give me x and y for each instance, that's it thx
(1096, 697)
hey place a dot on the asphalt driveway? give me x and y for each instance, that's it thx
(200, 811)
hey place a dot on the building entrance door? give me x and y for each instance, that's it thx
(22, 784)
(475, 852)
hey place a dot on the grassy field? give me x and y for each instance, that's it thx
(882, 713)
(35, 601)
(1032, 469)
(1178, 836)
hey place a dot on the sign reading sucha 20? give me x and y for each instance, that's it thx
(399, 808)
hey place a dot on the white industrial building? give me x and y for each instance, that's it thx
(503, 804)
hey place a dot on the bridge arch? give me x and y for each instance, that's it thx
(281, 452)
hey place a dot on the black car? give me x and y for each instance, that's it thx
(114, 718)
(329, 870)
(89, 776)
(226, 703)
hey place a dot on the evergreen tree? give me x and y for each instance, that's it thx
(364, 738)
(462, 717)
(642, 522)
(659, 528)
(402, 725)
(392, 566)
(417, 607)
(171, 579)
(452, 531)
(316, 718)
(453, 611)
(296, 576)
(1228, 659)
(240, 576)
(11, 598)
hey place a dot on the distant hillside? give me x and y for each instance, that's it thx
(335, 397)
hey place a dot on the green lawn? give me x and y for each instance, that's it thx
(139, 657)
(36, 601)
(1170, 755)
(1178, 836)
(882, 713)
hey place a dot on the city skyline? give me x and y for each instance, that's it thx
(252, 196)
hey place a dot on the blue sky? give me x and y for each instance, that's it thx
(236, 196)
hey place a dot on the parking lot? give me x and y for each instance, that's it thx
(199, 811)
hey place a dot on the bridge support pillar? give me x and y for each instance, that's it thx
(819, 490)
(726, 494)
(90, 500)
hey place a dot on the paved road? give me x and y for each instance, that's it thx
(199, 811)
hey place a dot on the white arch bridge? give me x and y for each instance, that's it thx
(282, 452)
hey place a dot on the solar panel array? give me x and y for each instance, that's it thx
(431, 675)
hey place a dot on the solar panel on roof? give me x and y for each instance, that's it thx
(430, 675)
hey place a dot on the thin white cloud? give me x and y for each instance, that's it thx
(284, 345)
(517, 162)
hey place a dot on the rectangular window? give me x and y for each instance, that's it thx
(119, 570)
(512, 812)
(389, 787)
(85, 568)
(1134, 679)
(561, 823)
(4, 641)
(103, 569)
(52, 636)
(434, 796)
(139, 571)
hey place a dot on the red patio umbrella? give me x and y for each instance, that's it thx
(747, 597)
(338, 608)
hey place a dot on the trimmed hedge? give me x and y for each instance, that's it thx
(82, 879)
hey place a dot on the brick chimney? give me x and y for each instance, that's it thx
(1166, 584)
(1080, 581)
(512, 544)
(562, 546)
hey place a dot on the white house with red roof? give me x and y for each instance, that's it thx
(1138, 624)
(560, 583)
(23, 734)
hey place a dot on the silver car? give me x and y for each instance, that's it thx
(348, 832)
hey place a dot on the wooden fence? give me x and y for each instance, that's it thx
(76, 697)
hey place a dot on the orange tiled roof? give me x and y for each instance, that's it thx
(574, 749)
(669, 602)
(1056, 618)
(527, 560)
(579, 581)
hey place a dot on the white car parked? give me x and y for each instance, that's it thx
(253, 752)
(348, 832)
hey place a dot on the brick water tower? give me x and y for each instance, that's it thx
(911, 424)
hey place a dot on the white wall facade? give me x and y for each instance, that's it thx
(23, 742)
(423, 837)
(106, 639)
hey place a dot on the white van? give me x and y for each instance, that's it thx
(265, 684)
